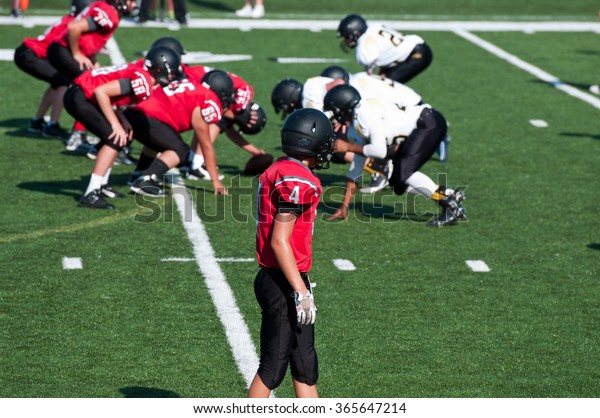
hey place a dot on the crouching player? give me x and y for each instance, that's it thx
(288, 194)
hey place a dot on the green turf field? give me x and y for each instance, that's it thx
(412, 320)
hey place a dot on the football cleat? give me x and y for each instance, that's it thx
(378, 182)
(199, 173)
(148, 186)
(53, 130)
(94, 200)
(452, 210)
(76, 139)
(108, 191)
(36, 125)
(125, 158)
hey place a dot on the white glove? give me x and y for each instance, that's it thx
(306, 311)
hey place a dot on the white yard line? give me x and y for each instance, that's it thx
(478, 266)
(72, 263)
(343, 264)
(531, 69)
(317, 25)
(222, 296)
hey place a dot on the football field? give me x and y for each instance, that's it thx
(156, 299)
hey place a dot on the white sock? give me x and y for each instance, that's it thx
(106, 176)
(421, 184)
(95, 184)
(197, 161)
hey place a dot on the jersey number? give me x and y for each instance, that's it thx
(393, 38)
(295, 195)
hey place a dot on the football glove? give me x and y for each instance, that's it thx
(306, 311)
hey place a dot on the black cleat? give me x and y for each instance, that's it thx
(452, 210)
(94, 200)
(36, 126)
(148, 186)
(53, 130)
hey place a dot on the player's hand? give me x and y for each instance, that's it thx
(341, 146)
(119, 136)
(341, 213)
(219, 188)
(306, 311)
(84, 62)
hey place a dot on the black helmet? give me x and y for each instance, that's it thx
(171, 42)
(336, 72)
(308, 133)
(163, 64)
(341, 100)
(245, 118)
(351, 28)
(78, 5)
(287, 96)
(121, 6)
(219, 82)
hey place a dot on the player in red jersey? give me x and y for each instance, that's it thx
(91, 99)
(157, 123)
(288, 194)
(250, 119)
(32, 57)
(86, 35)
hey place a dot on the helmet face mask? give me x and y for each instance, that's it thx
(247, 124)
(307, 133)
(124, 7)
(163, 64)
(219, 82)
(287, 96)
(341, 101)
(351, 28)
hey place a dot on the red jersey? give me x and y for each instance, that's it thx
(106, 19)
(287, 186)
(139, 80)
(175, 103)
(54, 33)
(244, 93)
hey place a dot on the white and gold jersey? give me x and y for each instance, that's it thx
(371, 86)
(314, 91)
(382, 47)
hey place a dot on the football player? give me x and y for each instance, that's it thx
(410, 135)
(86, 35)
(187, 104)
(397, 56)
(91, 98)
(247, 116)
(287, 198)
(32, 57)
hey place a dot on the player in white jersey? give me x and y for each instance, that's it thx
(398, 56)
(409, 135)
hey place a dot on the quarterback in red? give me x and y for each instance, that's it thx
(32, 57)
(287, 198)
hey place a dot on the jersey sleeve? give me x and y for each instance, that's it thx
(244, 93)
(211, 111)
(295, 193)
(141, 86)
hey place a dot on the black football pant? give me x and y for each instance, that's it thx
(89, 115)
(282, 340)
(418, 148)
(39, 68)
(417, 62)
(60, 57)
